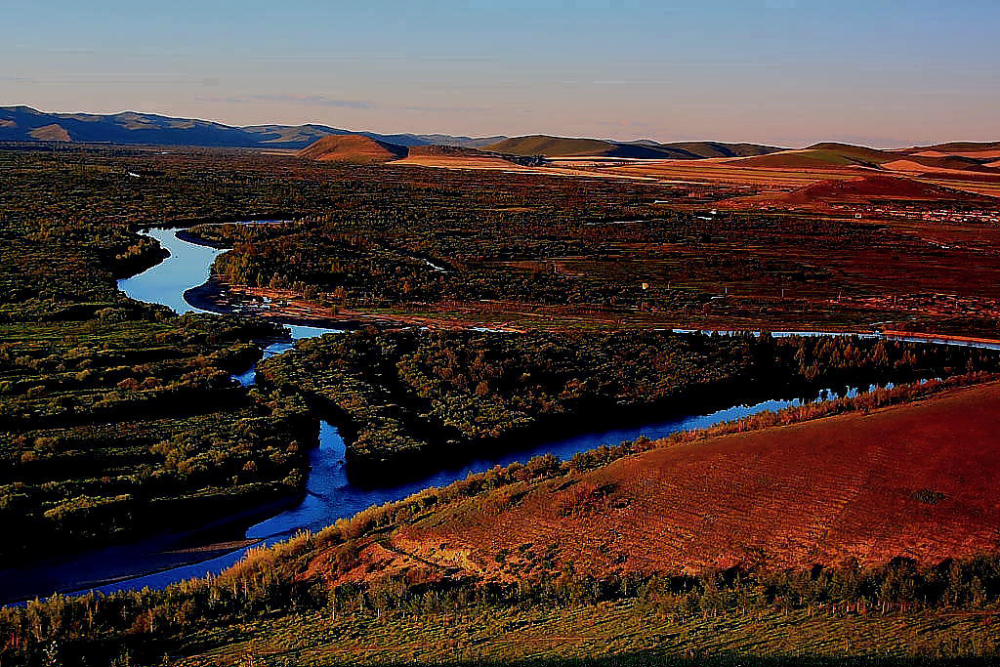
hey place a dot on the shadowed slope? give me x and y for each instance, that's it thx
(570, 147)
(579, 147)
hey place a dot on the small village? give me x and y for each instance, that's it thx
(922, 212)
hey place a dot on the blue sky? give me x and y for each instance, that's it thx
(883, 72)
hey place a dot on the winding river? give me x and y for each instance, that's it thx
(164, 559)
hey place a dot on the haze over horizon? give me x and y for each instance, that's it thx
(783, 72)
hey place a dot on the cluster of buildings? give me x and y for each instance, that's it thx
(917, 212)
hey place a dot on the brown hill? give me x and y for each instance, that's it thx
(913, 481)
(352, 148)
(950, 164)
(52, 132)
(868, 188)
(841, 156)
(874, 186)
(825, 155)
(966, 148)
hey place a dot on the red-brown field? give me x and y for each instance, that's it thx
(863, 189)
(973, 171)
(918, 481)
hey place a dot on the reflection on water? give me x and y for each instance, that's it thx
(188, 266)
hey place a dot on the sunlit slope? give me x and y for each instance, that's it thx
(352, 148)
(918, 481)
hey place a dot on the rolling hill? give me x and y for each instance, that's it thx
(550, 146)
(823, 155)
(569, 147)
(359, 148)
(459, 157)
(714, 149)
(836, 155)
(870, 187)
(972, 149)
(352, 148)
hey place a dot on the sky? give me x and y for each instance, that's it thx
(784, 72)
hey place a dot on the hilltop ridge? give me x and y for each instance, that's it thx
(551, 146)
(352, 148)
(25, 124)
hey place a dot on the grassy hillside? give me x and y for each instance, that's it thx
(562, 147)
(904, 482)
(570, 147)
(826, 155)
(820, 156)
(714, 149)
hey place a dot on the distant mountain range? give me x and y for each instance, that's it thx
(25, 124)
(22, 123)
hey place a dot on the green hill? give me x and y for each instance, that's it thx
(831, 154)
(568, 147)
(550, 146)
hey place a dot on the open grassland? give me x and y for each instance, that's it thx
(612, 634)
(794, 169)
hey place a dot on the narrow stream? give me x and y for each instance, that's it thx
(168, 558)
